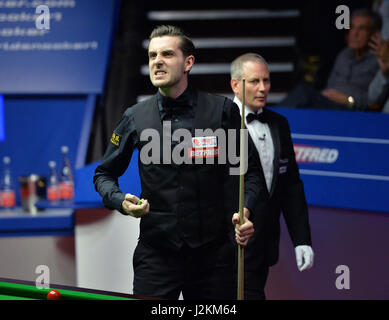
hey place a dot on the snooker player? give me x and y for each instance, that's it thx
(186, 236)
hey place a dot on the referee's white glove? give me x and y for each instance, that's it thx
(304, 257)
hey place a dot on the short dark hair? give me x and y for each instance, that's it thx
(376, 20)
(186, 45)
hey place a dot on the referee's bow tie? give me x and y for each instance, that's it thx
(256, 116)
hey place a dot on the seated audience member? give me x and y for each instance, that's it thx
(382, 7)
(379, 88)
(354, 69)
(378, 93)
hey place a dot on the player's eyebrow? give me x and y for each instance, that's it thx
(163, 52)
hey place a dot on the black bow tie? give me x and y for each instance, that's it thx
(174, 106)
(256, 116)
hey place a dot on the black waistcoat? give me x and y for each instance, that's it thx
(186, 200)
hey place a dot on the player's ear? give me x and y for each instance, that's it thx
(189, 62)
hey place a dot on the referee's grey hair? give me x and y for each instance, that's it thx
(236, 69)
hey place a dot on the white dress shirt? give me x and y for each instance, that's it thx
(261, 136)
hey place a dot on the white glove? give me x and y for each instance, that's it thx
(306, 253)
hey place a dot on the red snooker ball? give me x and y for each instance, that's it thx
(53, 295)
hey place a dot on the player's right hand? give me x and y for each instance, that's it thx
(131, 207)
(243, 232)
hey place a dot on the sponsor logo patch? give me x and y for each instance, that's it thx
(283, 169)
(115, 139)
(203, 152)
(204, 142)
(204, 147)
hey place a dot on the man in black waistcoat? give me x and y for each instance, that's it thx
(283, 189)
(185, 243)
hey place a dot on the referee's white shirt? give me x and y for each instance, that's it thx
(261, 136)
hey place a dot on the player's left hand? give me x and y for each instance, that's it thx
(304, 257)
(132, 206)
(243, 232)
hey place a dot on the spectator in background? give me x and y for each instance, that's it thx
(354, 69)
(382, 7)
(378, 93)
(379, 88)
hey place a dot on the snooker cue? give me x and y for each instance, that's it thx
(241, 198)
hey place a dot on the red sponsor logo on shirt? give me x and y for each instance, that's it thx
(203, 152)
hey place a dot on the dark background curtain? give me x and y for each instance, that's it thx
(122, 81)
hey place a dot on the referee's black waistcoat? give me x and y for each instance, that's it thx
(186, 200)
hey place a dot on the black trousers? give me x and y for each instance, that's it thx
(254, 283)
(205, 273)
